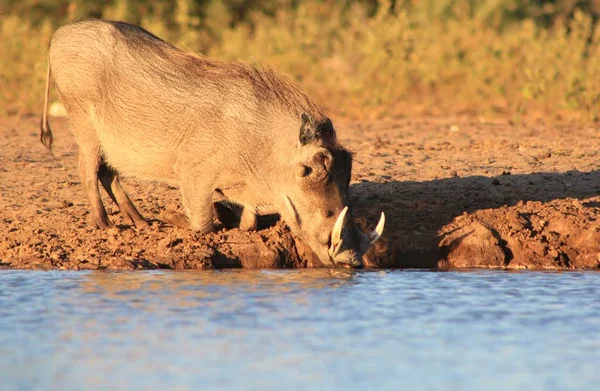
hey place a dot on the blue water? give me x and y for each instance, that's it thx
(311, 329)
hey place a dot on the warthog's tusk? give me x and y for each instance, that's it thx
(335, 249)
(336, 234)
(378, 229)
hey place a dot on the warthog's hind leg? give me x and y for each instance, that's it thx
(110, 181)
(89, 161)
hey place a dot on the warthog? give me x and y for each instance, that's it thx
(141, 107)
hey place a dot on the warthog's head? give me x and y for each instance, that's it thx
(317, 204)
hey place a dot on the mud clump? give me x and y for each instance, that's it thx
(555, 235)
(474, 245)
(489, 195)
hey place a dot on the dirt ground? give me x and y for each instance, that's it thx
(457, 192)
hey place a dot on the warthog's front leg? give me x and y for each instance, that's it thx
(234, 215)
(248, 219)
(196, 196)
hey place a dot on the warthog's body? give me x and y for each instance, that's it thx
(141, 107)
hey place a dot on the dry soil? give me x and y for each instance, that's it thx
(457, 192)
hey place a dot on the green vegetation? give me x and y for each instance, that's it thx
(362, 59)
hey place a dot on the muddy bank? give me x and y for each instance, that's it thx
(457, 192)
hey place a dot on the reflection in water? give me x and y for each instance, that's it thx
(174, 291)
(113, 282)
(303, 329)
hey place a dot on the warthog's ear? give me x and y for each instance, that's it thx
(310, 130)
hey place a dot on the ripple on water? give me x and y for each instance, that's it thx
(299, 329)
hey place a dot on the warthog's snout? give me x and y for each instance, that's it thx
(348, 244)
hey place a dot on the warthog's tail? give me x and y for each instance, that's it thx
(45, 131)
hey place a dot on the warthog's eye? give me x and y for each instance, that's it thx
(329, 213)
(321, 158)
(307, 171)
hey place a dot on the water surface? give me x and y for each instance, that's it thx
(308, 329)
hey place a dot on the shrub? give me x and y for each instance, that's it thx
(360, 59)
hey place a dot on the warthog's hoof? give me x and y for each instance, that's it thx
(176, 219)
(102, 223)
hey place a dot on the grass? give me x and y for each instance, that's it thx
(361, 61)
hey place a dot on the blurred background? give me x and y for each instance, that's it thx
(359, 59)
